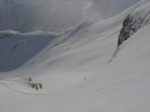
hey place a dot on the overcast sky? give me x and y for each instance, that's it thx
(111, 3)
(57, 15)
(109, 7)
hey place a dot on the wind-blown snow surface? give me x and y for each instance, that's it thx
(77, 77)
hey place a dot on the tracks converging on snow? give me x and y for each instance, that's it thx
(23, 90)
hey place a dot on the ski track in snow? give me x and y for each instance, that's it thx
(34, 92)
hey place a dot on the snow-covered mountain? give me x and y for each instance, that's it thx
(98, 66)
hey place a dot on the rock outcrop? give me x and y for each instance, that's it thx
(133, 22)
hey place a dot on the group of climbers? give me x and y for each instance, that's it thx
(35, 86)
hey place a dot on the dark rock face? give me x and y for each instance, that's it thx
(132, 24)
(125, 31)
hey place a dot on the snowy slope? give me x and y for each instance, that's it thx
(76, 73)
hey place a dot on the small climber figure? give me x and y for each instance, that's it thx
(32, 85)
(30, 79)
(36, 86)
(84, 78)
(40, 85)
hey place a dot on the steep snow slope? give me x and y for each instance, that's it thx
(84, 41)
(77, 77)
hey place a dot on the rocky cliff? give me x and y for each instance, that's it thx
(139, 18)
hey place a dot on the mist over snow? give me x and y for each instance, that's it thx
(110, 8)
(56, 15)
